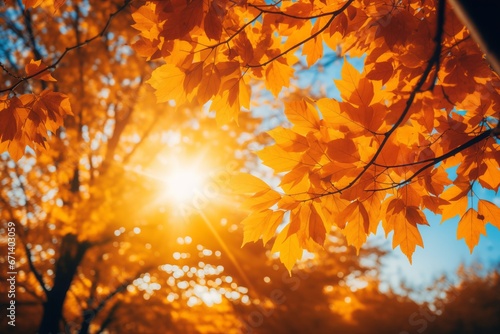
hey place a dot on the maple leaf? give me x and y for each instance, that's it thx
(470, 228)
(278, 75)
(490, 212)
(35, 67)
(303, 116)
(261, 225)
(357, 227)
(247, 183)
(288, 247)
(168, 80)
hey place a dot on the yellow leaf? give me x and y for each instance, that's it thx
(349, 82)
(313, 49)
(146, 21)
(471, 227)
(332, 113)
(262, 200)
(246, 183)
(261, 224)
(288, 247)
(303, 116)
(288, 139)
(279, 159)
(277, 76)
(168, 81)
(296, 181)
(225, 112)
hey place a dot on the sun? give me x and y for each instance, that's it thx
(183, 183)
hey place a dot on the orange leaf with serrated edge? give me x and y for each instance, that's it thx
(247, 183)
(279, 159)
(278, 75)
(490, 211)
(357, 227)
(406, 235)
(262, 200)
(296, 181)
(168, 82)
(210, 83)
(36, 66)
(470, 228)
(313, 50)
(288, 139)
(317, 230)
(12, 117)
(350, 78)
(261, 224)
(303, 116)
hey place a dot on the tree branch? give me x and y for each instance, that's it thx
(477, 139)
(434, 60)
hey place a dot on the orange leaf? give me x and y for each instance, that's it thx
(262, 200)
(213, 20)
(289, 248)
(406, 236)
(490, 211)
(246, 183)
(343, 150)
(168, 81)
(470, 228)
(288, 139)
(317, 230)
(303, 116)
(36, 66)
(277, 76)
(210, 83)
(279, 159)
(357, 227)
(261, 224)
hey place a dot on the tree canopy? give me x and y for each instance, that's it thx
(99, 100)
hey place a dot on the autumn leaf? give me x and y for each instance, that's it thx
(278, 75)
(35, 67)
(470, 228)
(247, 183)
(357, 224)
(490, 212)
(261, 225)
(168, 80)
(288, 248)
(303, 116)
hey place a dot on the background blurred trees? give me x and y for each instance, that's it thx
(101, 247)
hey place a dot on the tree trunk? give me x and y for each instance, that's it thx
(71, 254)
